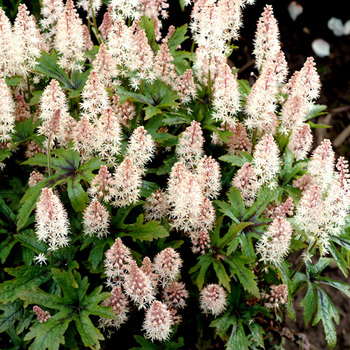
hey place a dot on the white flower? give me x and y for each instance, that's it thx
(40, 259)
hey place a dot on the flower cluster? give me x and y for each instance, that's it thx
(141, 285)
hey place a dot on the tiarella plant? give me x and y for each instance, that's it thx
(150, 195)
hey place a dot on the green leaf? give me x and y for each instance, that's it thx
(89, 334)
(233, 231)
(38, 297)
(342, 240)
(133, 96)
(25, 277)
(238, 339)
(339, 259)
(228, 210)
(327, 312)
(11, 312)
(244, 88)
(235, 159)
(316, 269)
(14, 81)
(204, 261)
(28, 202)
(148, 25)
(74, 304)
(244, 274)
(47, 65)
(178, 37)
(319, 126)
(151, 111)
(50, 334)
(316, 111)
(222, 275)
(148, 188)
(36, 97)
(309, 303)
(77, 195)
(5, 248)
(145, 232)
(342, 286)
(96, 255)
(257, 334)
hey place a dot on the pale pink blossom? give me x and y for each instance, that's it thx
(125, 111)
(266, 43)
(138, 286)
(167, 265)
(116, 263)
(147, 268)
(321, 166)
(300, 141)
(52, 224)
(7, 112)
(156, 206)
(190, 145)
(96, 219)
(281, 211)
(208, 171)
(175, 295)
(100, 184)
(107, 136)
(304, 183)
(94, 97)
(22, 111)
(42, 315)
(141, 148)
(164, 67)
(278, 296)
(247, 182)
(226, 97)
(158, 322)
(200, 241)
(69, 39)
(27, 42)
(239, 141)
(107, 23)
(186, 87)
(274, 244)
(213, 299)
(120, 304)
(52, 100)
(6, 42)
(34, 178)
(262, 101)
(51, 11)
(266, 162)
(85, 5)
(125, 186)
(311, 213)
(105, 66)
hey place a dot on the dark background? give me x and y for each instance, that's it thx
(296, 38)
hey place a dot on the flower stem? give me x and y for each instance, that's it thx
(95, 24)
(49, 154)
(302, 261)
(210, 89)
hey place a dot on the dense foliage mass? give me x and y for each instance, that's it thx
(150, 195)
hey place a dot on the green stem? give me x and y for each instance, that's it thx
(192, 46)
(210, 89)
(255, 132)
(51, 259)
(28, 86)
(302, 261)
(95, 24)
(49, 154)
